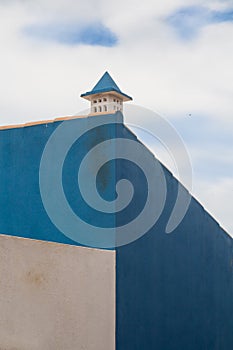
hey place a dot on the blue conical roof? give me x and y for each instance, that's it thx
(106, 84)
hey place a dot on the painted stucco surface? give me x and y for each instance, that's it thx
(22, 210)
(174, 291)
(55, 296)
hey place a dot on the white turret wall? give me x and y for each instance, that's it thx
(106, 103)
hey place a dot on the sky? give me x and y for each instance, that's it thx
(172, 56)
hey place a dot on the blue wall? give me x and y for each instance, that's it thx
(175, 291)
(22, 211)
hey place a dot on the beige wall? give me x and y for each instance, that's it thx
(55, 296)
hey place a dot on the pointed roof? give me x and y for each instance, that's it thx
(104, 85)
(106, 82)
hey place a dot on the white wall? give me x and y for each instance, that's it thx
(112, 103)
(55, 296)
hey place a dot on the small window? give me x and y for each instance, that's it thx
(95, 109)
(100, 109)
(100, 100)
(105, 100)
(94, 101)
(114, 100)
(105, 109)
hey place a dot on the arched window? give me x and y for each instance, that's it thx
(95, 109)
(100, 109)
(100, 100)
(105, 100)
(105, 108)
(95, 101)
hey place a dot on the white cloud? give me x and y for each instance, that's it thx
(154, 65)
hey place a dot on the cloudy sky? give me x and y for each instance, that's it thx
(172, 56)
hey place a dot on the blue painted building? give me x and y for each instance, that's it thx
(172, 291)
